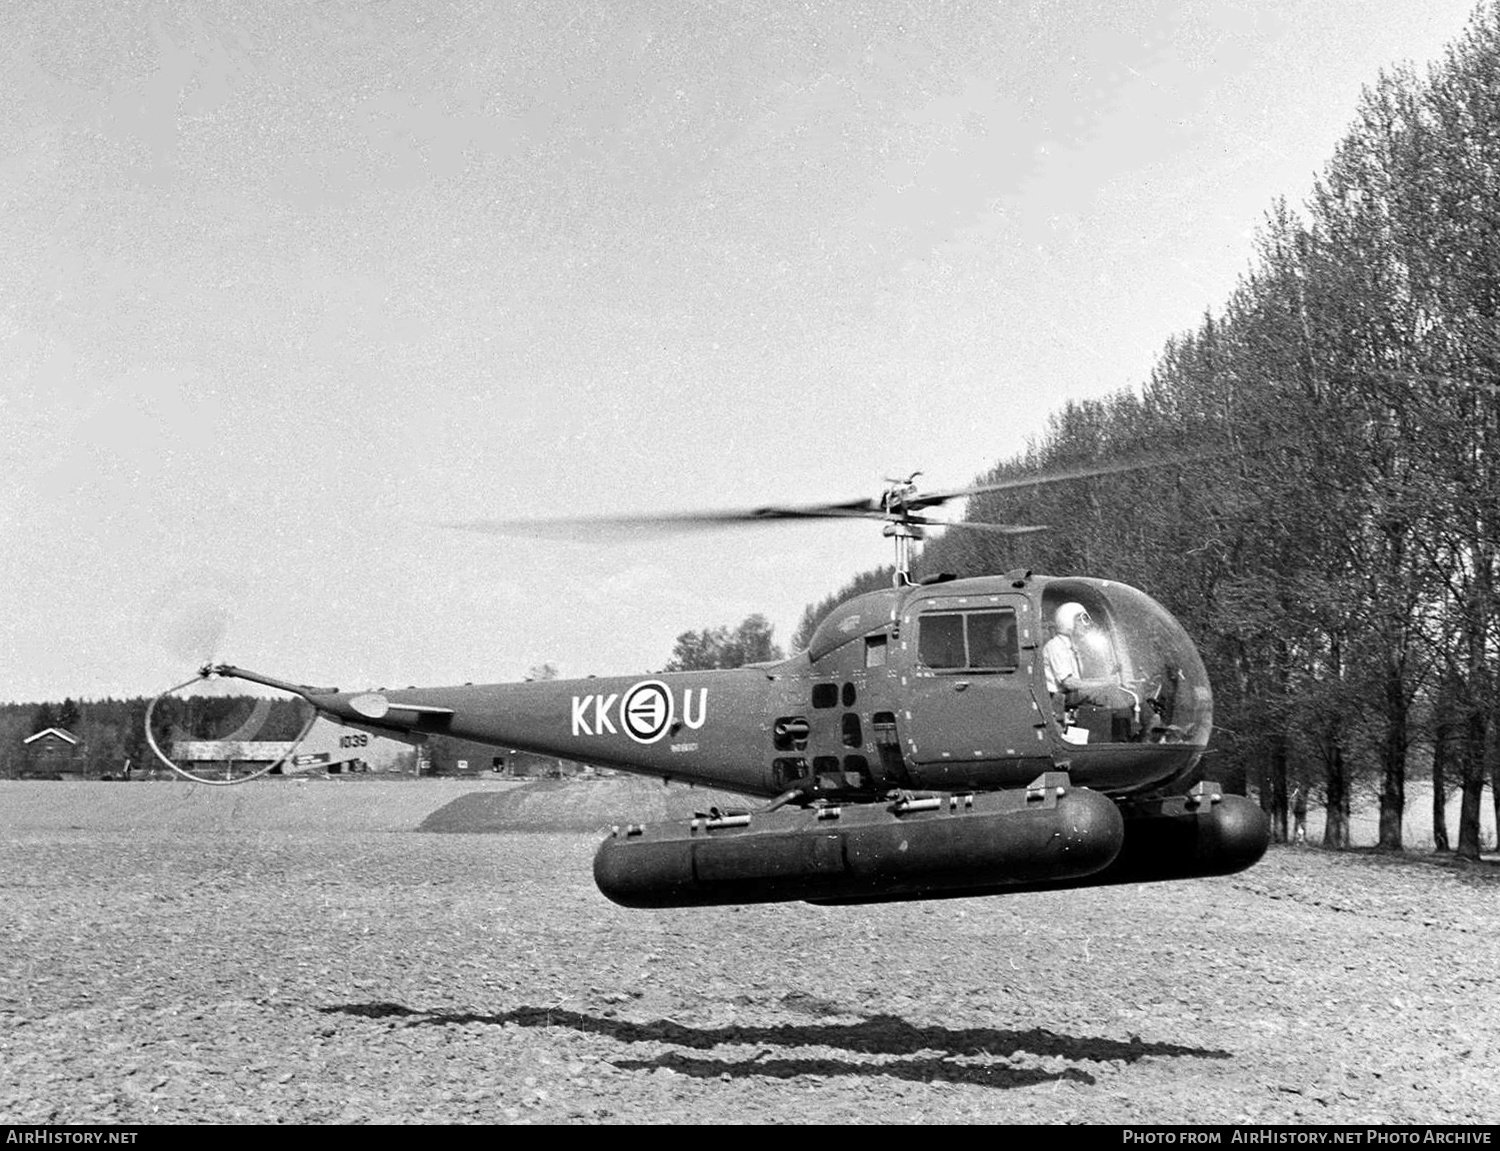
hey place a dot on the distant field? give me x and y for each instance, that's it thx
(281, 804)
(484, 804)
(355, 804)
(1416, 826)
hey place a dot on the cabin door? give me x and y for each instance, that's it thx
(969, 662)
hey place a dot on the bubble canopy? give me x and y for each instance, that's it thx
(1134, 638)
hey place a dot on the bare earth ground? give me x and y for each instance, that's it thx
(297, 952)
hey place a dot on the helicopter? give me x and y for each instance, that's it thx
(919, 748)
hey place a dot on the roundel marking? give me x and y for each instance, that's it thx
(647, 711)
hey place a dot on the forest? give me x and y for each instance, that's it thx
(1328, 531)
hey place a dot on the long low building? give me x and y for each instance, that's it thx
(329, 748)
(226, 758)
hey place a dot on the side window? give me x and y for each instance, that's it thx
(973, 640)
(875, 651)
(992, 640)
(940, 641)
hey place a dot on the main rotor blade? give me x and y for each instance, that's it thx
(1040, 479)
(996, 529)
(593, 527)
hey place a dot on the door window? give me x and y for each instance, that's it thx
(969, 640)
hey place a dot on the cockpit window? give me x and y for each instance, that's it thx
(969, 640)
(1136, 643)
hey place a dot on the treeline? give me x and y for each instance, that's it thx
(1331, 539)
(749, 642)
(111, 732)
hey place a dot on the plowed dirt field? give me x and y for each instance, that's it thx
(302, 952)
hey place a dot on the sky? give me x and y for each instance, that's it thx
(289, 288)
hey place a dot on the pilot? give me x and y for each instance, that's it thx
(1065, 680)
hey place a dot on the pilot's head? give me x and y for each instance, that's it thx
(1072, 618)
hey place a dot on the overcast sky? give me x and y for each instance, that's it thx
(285, 287)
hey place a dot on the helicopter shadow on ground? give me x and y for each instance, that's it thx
(922, 1053)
